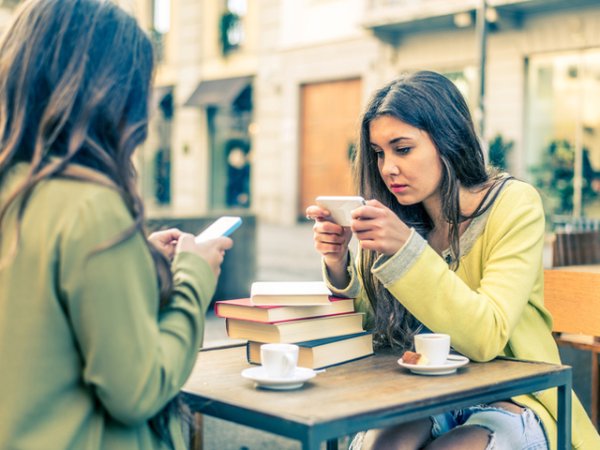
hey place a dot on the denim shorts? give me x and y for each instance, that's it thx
(509, 431)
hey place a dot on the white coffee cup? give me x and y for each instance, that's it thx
(279, 360)
(434, 346)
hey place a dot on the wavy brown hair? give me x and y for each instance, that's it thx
(432, 103)
(75, 80)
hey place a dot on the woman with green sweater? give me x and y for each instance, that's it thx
(446, 246)
(99, 328)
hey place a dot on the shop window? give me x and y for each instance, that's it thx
(563, 130)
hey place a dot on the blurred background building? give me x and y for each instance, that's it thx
(257, 102)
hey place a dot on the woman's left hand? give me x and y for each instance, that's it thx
(378, 228)
(166, 241)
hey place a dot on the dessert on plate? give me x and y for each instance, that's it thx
(414, 358)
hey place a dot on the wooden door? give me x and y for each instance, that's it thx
(330, 120)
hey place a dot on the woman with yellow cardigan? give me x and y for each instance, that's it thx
(446, 246)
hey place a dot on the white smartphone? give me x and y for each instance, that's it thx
(223, 226)
(340, 207)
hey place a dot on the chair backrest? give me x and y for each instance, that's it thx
(573, 299)
(576, 247)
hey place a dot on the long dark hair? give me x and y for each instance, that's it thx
(432, 103)
(75, 79)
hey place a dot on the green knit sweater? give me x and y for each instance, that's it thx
(87, 359)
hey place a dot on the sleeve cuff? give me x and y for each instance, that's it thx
(352, 290)
(193, 272)
(389, 268)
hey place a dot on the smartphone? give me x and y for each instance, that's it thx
(223, 226)
(340, 207)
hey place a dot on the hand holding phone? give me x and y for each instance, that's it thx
(223, 226)
(340, 207)
(166, 241)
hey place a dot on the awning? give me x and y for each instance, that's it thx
(218, 92)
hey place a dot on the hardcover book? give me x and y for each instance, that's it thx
(289, 293)
(321, 353)
(295, 330)
(243, 308)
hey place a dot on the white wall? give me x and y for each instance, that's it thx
(309, 22)
(291, 42)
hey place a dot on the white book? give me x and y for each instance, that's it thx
(290, 293)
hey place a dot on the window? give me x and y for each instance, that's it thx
(466, 82)
(161, 16)
(161, 24)
(231, 27)
(563, 129)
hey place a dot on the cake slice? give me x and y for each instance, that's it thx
(413, 358)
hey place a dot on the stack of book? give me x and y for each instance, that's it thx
(326, 328)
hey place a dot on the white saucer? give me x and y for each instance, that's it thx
(260, 377)
(452, 363)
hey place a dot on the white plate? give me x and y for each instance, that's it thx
(452, 363)
(260, 377)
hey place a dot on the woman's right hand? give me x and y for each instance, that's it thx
(212, 250)
(331, 239)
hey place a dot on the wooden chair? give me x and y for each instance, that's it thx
(573, 299)
(576, 247)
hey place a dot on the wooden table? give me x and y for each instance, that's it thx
(369, 393)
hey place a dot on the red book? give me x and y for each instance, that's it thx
(244, 309)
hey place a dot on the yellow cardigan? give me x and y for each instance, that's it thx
(493, 305)
(87, 359)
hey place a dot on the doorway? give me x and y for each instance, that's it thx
(329, 127)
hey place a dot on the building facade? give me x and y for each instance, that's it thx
(258, 102)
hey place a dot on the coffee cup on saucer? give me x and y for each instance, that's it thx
(279, 360)
(434, 346)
